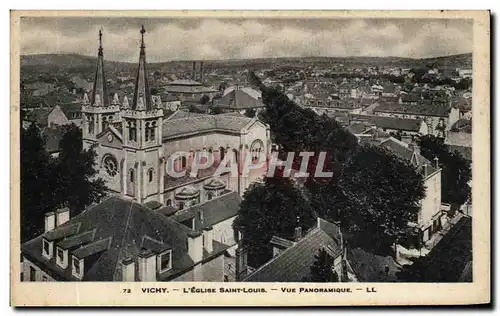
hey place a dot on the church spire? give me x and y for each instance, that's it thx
(142, 94)
(100, 90)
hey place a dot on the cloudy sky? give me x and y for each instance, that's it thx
(209, 38)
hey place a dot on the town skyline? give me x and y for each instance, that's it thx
(177, 39)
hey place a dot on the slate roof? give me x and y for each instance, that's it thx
(123, 224)
(401, 150)
(422, 108)
(402, 124)
(293, 264)
(197, 124)
(239, 100)
(214, 211)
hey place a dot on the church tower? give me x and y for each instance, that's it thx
(142, 120)
(98, 111)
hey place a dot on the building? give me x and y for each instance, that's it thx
(54, 116)
(189, 90)
(464, 73)
(240, 100)
(293, 258)
(438, 118)
(121, 240)
(137, 143)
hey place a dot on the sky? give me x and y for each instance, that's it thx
(237, 38)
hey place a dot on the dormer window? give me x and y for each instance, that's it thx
(77, 267)
(164, 263)
(48, 247)
(62, 258)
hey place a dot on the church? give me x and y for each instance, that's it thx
(135, 138)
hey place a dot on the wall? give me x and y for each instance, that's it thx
(431, 204)
(459, 139)
(40, 274)
(224, 233)
(57, 117)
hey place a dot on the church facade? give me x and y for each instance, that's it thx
(135, 139)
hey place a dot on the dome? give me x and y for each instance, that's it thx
(214, 184)
(187, 192)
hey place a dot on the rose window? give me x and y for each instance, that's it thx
(110, 165)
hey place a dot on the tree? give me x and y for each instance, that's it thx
(456, 170)
(322, 268)
(77, 183)
(37, 183)
(271, 209)
(378, 194)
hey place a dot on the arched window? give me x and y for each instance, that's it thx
(181, 206)
(150, 175)
(169, 202)
(104, 123)
(147, 131)
(152, 131)
(256, 149)
(210, 195)
(222, 152)
(183, 162)
(131, 175)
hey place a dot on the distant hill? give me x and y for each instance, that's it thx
(75, 62)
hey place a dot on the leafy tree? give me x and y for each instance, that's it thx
(37, 179)
(77, 183)
(271, 209)
(456, 170)
(322, 269)
(378, 195)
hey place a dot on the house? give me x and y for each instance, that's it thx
(396, 125)
(170, 102)
(293, 258)
(121, 240)
(465, 73)
(438, 118)
(430, 216)
(460, 134)
(390, 90)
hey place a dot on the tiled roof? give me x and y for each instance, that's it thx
(124, 224)
(425, 109)
(214, 211)
(194, 124)
(239, 99)
(294, 263)
(396, 123)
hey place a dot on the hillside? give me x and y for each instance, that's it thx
(74, 62)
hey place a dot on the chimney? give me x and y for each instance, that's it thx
(424, 166)
(195, 246)
(193, 74)
(208, 237)
(241, 263)
(50, 221)
(201, 71)
(147, 265)
(298, 230)
(128, 270)
(62, 216)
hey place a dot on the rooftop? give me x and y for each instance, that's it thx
(293, 264)
(120, 228)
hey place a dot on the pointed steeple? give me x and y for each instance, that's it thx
(100, 90)
(141, 90)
